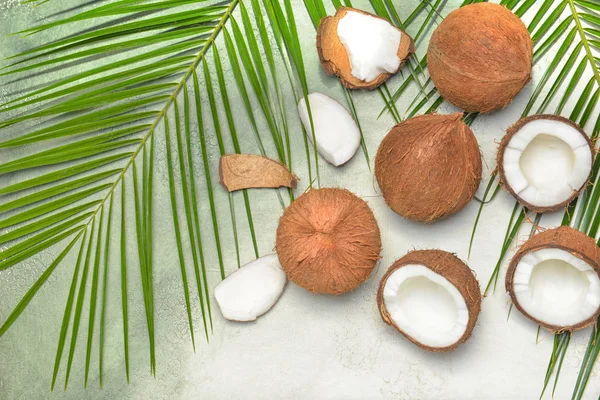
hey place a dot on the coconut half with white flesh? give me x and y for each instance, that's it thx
(554, 279)
(432, 298)
(363, 49)
(252, 290)
(545, 161)
(336, 132)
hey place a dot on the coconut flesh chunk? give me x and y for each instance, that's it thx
(546, 162)
(371, 43)
(252, 290)
(426, 306)
(554, 286)
(336, 132)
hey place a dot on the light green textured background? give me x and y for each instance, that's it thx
(308, 346)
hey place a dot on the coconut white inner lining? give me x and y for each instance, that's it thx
(546, 161)
(554, 286)
(426, 306)
(371, 43)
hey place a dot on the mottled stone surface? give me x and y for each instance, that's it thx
(307, 346)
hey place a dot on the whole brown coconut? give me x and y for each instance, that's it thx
(428, 167)
(480, 57)
(455, 271)
(575, 242)
(328, 241)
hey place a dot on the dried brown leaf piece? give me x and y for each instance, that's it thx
(328, 241)
(245, 171)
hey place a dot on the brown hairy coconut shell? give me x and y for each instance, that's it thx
(480, 57)
(428, 167)
(328, 241)
(334, 57)
(244, 171)
(565, 238)
(454, 270)
(510, 132)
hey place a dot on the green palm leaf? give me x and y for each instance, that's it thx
(138, 81)
(99, 125)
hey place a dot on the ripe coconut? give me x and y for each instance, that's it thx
(363, 49)
(432, 298)
(480, 57)
(554, 279)
(545, 161)
(428, 167)
(328, 241)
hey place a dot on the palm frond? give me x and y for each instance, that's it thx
(99, 127)
(578, 48)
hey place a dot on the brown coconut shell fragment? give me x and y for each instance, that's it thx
(480, 57)
(510, 132)
(328, 241)
(334, 57)
(454, 270)
(428, 167)
(564, 238)
(244, 171)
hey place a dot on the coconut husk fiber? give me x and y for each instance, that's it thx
(480, 57)
(328, 241)
(428, 167)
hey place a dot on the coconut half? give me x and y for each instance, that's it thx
(545, 161)
(363, 49)
(328, 241)
(554, 279)
(252, 290)
(432, 298)
(336, 132)
(428, 167)
(480, 57)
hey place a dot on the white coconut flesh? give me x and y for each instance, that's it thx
(336, 132)
(555, 287)
(546, 161)
(371, 43)
(252, 290)
(425, 306)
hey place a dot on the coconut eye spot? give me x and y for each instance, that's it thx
(546, 162)
(371, 43)
(426, 306)
(556, 287)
